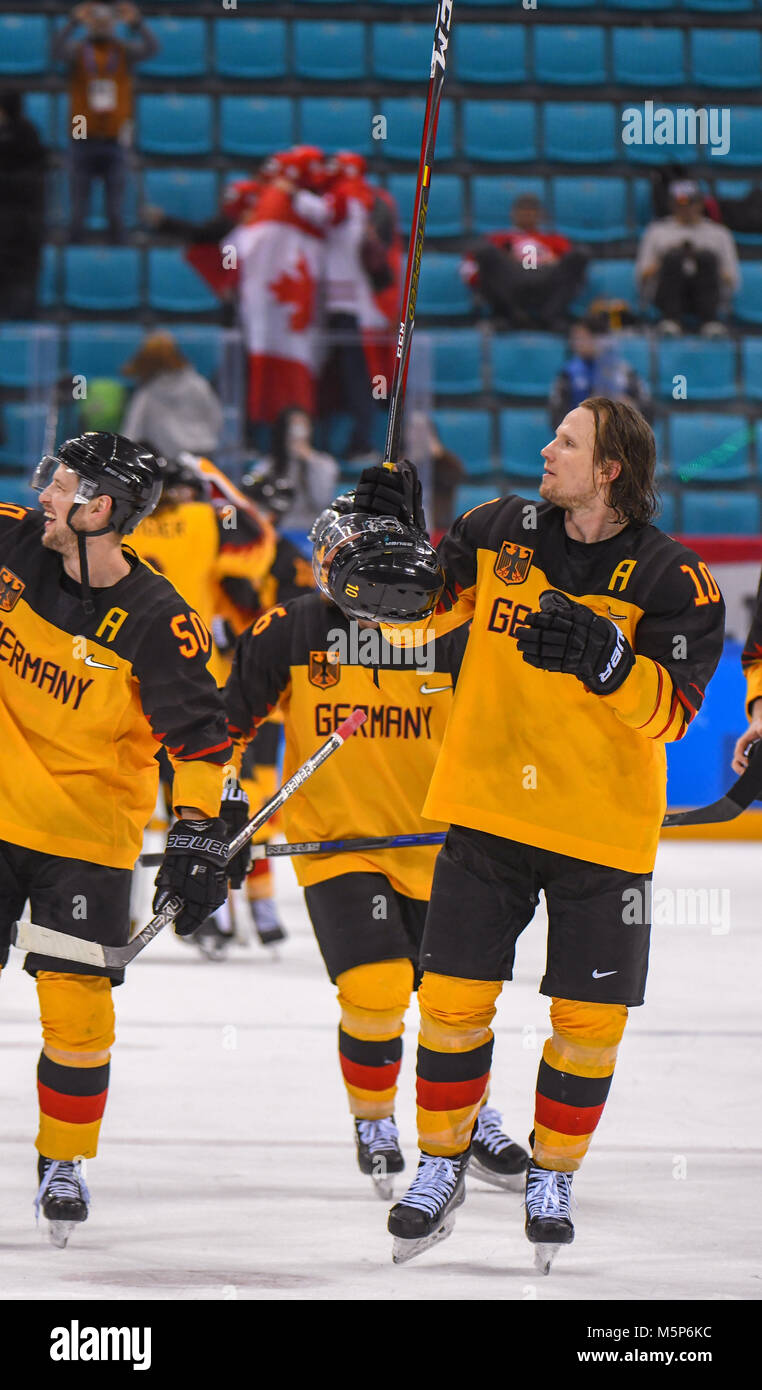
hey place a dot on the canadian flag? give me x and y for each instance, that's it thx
(280, 269)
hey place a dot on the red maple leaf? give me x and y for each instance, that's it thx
(297, 289)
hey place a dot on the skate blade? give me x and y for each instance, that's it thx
(508, 1182)
(544, 1256)
(405, 1250)
(384, 1188)
(59, 1232)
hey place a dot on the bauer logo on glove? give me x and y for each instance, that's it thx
(568, 637)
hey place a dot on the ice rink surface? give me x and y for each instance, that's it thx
(227, 1164)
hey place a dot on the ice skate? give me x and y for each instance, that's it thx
(63, 1197)
(495, 1158)
(426, 1213)
(212, 940)
(379, 1154)
(548, 1213)
(268, 928)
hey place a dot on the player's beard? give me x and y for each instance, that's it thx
(552, 491)
(60, 538)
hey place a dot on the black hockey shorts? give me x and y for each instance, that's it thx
(360, 919)
(68, 895)
(485, 892)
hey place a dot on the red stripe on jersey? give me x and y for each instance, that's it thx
(450, 1095)
(76, 1110)
(566, 1119)
(672, 709)
(660, 674)
(204, 752)
(370, 1078)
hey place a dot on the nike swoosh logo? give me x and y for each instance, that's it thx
(90, 661)
(433, 689)
(599, 974)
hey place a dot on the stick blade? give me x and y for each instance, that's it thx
(723, 810)
(43, 941)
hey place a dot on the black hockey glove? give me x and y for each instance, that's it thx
(195, 868)
(567, 636)
(398, 494)
(235, 813)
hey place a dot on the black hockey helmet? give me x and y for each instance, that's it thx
(174, 473)
(374, 567)
(107, 465)
(274, 495)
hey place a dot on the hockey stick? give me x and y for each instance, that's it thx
(747, 788)
(432, 837)
(415, 249)
(30, 937)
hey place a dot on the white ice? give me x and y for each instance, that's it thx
(227, 1164)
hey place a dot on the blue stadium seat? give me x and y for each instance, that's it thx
(399, 52)
(16, 488)
(569, 56)
(526, 364)
(642, 202)
(745, 135)
(726, 57)
(751, 367)
(715, 6)
(644, 153)
(636, 349)
(590, 209)
(38, 108)
(28, 354)
(48, 283)
(576, 132)
(709, 369)
(172, 124)
(469, 496)
(101, 277)
(201, 343)
(501, 132)
(709, 448)
(719, 513)
(23, 43)
(182, 49)
(404, 123)
(446, 212)
(748, 300)
(639, 5)
(607, 280)
(327, 51)
(648, 55)
(457, 362)
(442, 293)
(250, 47)
(468, 433)
(666, 517)
(338, 123)
(492, 198)
(487, 53)
(256, 125)
(173, 285)
(188, 193)
(523, 433)
(24, 431)
(559, 4)
(101, 349)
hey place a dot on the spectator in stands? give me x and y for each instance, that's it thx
(595, 368)
(174, 408)
(687, 264)
(101, 96)
(22, 209)
(528, 275)
(292, 460)
(425, 449)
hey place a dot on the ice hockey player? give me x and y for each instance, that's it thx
(751, 661)
(593, 636)
(101, 662)
(316, 662)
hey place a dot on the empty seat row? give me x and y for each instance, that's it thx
(334, 51)
(34, 354)
(498, 132)
(689, 512)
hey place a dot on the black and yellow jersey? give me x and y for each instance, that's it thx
(375, 785)
(192, 544)
(288, 576)
(533, 756)
(751, 656)
(85, 703)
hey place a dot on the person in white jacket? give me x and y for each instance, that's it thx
(173, 408)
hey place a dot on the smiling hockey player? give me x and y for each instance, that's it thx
(593, 636)
(101, 661)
